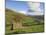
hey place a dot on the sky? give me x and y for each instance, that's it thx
(23, 7)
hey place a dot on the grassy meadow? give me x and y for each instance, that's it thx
(23, 24)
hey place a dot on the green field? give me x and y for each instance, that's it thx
(28, 24)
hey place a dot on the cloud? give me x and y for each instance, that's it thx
(23, 12)
(31, 13)
(35, 13)
(35, 6)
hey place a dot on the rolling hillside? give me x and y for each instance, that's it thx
(30, 23)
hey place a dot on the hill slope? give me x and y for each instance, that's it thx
(31, 22)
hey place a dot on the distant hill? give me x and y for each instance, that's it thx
(38, 17)
(21, 17)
